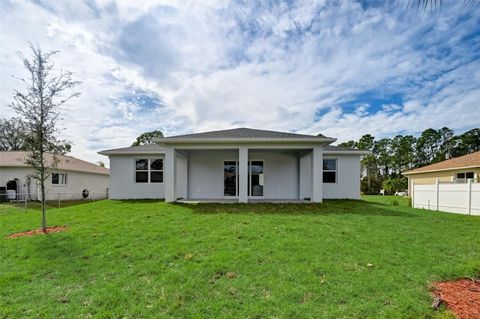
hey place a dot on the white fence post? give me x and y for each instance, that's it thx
(437, 195)
(469, 196)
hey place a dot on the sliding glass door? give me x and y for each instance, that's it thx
(230, 178)
(255, 178)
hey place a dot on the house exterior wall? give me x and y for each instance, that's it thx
(20, 173)
(205, 172)
(199, 174)
(348, 178)
(97, 184)
(122, 179)
(281, 173)
(305, 172)
(182, 174)
(443, 176)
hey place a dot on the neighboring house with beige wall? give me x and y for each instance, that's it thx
(70, 177)
(455, 170)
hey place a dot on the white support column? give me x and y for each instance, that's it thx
(317, 174)
(243, 174)
(169, 172)
(437, 193)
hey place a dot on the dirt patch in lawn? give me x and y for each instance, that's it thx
(33, 232)
(460, 296)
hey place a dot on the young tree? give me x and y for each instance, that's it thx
(12, 134)
(39, 107)
(147, 138)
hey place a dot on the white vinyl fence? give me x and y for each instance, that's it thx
(461, 198)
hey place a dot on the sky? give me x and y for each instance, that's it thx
(340, 68)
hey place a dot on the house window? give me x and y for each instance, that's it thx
(330, 171)
(467, 175)
(59, 179)
(156, 170)
(149, 170)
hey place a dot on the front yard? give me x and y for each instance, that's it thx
(148, 259)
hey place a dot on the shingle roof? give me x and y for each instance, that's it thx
(67, 163)
(341, 149)
(141, 149)
(469, 160)
(243, 133)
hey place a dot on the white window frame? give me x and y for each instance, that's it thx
(236, 178)
(249, 177)
(149, 170)
(464, 179)
(330, 170)
(62, 182)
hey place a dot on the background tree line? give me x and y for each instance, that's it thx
(391, 156)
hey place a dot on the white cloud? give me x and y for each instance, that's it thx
(219, 64)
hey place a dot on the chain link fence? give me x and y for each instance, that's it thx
(54, 200)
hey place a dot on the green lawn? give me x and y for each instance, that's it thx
(148, 259)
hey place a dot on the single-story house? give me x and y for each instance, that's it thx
(70, 177)
(236, 165)
(455, 170)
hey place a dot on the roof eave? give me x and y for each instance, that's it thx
(348, 152)
(196, 140)
(440, 170)
(113, 152)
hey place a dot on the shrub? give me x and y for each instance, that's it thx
(375, 185)
(393, 185)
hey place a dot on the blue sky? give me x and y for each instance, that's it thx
(342, 68)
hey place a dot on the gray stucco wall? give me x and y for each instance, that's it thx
(288, 175)
(348, 178)
(305, 175)
(182, 174)
(205, 173)
(281, 173)
(122, 179)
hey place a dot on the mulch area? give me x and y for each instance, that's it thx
(461, 296)
(33, 232)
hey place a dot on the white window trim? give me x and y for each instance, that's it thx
(59, 185)
(236, 178)
(249, 172)
(249, 177)
(330, 170)
(148, 170)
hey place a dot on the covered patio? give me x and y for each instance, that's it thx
(247, 173)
